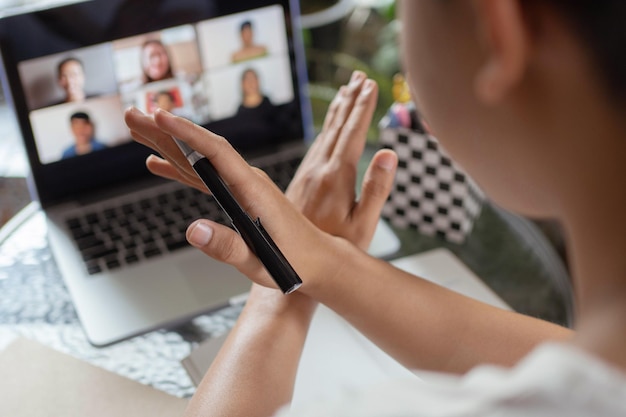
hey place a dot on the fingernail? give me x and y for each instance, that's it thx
(368, 87)
(386, 161)
(200, 234)
(357, 77)
(134, 110)
(162, 112)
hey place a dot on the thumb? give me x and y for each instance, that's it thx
(376, 187)
(225, 245)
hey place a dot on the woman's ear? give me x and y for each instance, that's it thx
(506, 40)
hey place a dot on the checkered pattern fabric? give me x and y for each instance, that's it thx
(431, 193)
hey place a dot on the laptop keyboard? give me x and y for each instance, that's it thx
(115, 236)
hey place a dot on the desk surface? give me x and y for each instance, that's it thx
(34, 303)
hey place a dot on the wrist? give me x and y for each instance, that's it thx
(272, 304)
(336, 266)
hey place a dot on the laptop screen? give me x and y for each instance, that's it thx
(233, 67)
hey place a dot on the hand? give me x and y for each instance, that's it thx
(324, 185)
(252, 188)
(323, 188)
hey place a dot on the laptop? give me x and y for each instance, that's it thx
(116, 232)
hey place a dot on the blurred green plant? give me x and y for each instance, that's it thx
(342, 65)
(329, 69)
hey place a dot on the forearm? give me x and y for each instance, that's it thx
(421, 324)
(254, 372)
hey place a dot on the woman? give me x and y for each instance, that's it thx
(252, 99)
(257, 111)
(155, 62)
(514, 89)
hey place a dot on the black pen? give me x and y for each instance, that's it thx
(252, 231)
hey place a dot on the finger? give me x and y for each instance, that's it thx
(144, 130)
(143, 126)
(234, 170)
(377, 185)
(321, 148)
(333, 108)
(182, 166)
(148, 132)
(342, 106)
(351, 141)
(346, 98)
(225, 245)
(324, 142)
(165, 169)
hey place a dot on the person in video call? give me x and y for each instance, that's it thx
(83, 131)
(166, 100)
(514, 89)
(256, 109)
(249, 50)
(71, 78)
(155, 62)
(253, 101)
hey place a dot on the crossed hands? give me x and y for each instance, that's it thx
(320, 202)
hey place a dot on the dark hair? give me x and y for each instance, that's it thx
(61, 64)
(249, 71)
(601, 25)
(245, 24)
(81, 115)
(169, 73)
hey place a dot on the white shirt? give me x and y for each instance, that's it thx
(554, 380)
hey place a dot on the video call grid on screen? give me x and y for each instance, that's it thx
(203, 81)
